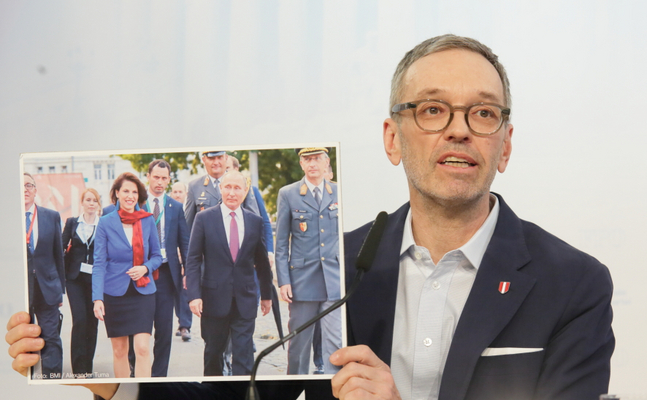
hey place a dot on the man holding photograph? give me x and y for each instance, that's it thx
(464, 299)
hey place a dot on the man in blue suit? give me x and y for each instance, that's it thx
(230, 241)
(46, 275)
(307, 258)
(174, 236)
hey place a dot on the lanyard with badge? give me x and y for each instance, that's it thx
(86, 267)
(31, 225)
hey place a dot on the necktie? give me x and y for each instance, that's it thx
(31, 235)
(217, 187)
(233, 236)
(156, 214)
(317, 196)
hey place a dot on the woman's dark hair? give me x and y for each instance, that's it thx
(127, 176)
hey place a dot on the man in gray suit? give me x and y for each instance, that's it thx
(204, 192)
(307, 258)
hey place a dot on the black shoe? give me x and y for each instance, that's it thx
(186, 334)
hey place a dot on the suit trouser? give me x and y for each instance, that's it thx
(84, 323)
(49, 319)
(182, 310)
(299, 348)
(216, 331)
(317, 357)
(162, 322)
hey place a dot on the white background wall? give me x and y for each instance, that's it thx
(80, 75)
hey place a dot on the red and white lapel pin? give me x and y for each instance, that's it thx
(504, 287)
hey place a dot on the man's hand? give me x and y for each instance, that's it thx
(99, 309)
(23, 339)
(364, 375)
(196, 307)
(266, 306)
(286, 293)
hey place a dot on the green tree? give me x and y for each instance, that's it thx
(178, 161)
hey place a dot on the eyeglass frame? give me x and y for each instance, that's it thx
(30, 186)
(410, 105)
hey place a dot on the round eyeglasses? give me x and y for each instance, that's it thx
(482, 119)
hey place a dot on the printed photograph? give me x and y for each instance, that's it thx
(183, 264)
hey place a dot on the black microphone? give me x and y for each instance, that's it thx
(363, 263)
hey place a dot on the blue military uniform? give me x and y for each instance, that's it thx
(307, 258)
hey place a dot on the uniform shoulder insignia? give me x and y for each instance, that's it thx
(304, 190)
(328, 188)
(206, 181)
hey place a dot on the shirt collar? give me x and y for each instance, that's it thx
(31, 209)
(475, 248)
(312, 187)
(226, 211)
(82, 220)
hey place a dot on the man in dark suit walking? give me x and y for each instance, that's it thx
(230, 241)
(174, 236)
(46, 277)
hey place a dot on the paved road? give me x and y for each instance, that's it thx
(186, 357)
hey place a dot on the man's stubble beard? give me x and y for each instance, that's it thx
(460, 196)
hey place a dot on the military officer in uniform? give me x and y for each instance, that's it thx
(204, 192)
(307, 257)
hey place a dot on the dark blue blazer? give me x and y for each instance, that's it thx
(113, 256)
(559, 300)
(222, 278)
(47, 259)
(177, 237)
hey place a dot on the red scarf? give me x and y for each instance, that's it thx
(134, 218)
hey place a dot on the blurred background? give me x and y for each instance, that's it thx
(77, 76)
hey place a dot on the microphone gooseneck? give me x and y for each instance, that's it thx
(363, 263)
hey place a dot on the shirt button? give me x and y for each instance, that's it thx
(418, 255)
(436, 285)
(301, 217)
(427, 342)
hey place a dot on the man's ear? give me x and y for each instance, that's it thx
(391, 140)
(507, 148)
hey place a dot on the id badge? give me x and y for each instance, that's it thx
(163, 251)
(87, 268)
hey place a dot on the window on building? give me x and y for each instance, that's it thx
(111, 171)
(52, 169)
(97, 172)
(39, 170)
(64, 169)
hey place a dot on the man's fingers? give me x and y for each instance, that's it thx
(22, 331)
(360, 354)
(357, 381)
(22, 363)
(18, 318)
(26, 345)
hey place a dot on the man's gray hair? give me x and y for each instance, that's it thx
(435, 45)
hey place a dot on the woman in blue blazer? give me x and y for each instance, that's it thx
(126, 255)
(78, 243)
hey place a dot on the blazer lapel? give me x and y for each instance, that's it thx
(374, 325)
(220, 233)
(308, 198)
(486, 310)
(115, 221)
